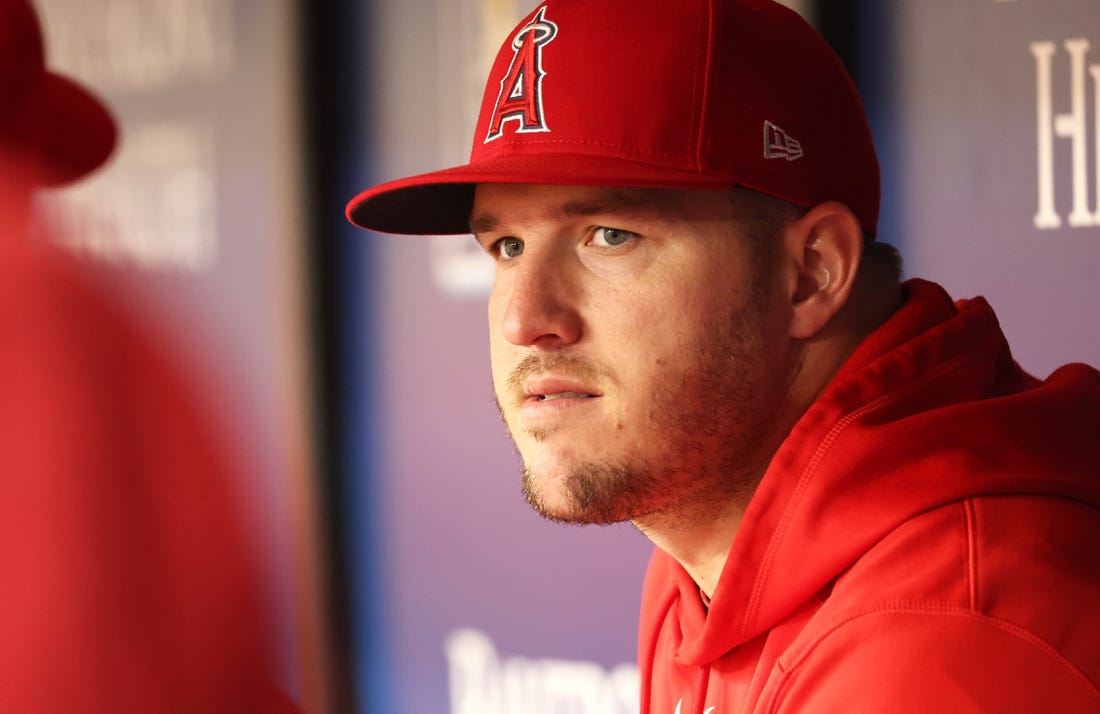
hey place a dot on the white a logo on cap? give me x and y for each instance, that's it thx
(778, 144)
(520, 97)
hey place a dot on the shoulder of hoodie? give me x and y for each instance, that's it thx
(991, 603)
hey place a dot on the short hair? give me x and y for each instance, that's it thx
(884, 255)
(764, 217)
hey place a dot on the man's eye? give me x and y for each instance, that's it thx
(508, 248)
(611, 237)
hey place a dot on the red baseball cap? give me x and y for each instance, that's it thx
(47, 119)
(704, 94)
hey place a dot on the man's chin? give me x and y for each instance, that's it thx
(571, 516)
(545, 494)
(582, 496)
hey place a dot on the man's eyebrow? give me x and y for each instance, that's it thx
(609, 202)
(483, 223)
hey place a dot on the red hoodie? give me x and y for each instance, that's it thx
(926, 539)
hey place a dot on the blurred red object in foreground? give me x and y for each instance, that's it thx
(128, 580)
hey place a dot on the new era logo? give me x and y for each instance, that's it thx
(778, 144)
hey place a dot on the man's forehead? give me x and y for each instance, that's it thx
(496, 203)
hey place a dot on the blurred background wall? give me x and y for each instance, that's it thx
(407, 572)
(989, 110)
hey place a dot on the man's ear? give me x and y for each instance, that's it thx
(823, 251)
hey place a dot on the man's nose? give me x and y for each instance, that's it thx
(542, 307)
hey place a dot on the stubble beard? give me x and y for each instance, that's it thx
(700, 432)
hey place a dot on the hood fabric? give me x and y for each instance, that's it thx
(930, 410)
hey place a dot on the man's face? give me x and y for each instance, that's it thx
(636, 356)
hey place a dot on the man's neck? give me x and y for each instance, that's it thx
(702, 551)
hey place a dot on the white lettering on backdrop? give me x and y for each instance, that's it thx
(1071, 125)
(481, 682)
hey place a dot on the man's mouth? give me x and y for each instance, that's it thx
(564, 395)
(566, 390)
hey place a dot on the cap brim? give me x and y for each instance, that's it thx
(439, 203)
(73, 132)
